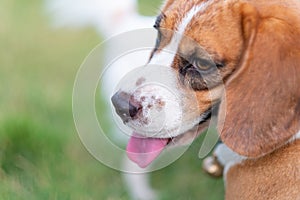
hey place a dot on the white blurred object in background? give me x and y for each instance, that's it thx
(110, 18)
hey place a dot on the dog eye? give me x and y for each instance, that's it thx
(203, 64)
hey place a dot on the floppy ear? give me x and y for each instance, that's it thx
(261, 103)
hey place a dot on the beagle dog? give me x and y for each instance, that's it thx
(242, 57)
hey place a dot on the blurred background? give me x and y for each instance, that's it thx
(41, 156)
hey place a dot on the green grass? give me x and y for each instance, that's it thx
(149, 7)
(41, 156)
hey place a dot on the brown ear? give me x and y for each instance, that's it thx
(261, 103)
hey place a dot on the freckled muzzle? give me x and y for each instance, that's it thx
(158, 106)
(151, 110)
(158, 109)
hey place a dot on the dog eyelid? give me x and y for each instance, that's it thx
(156, 26)
(158, 21)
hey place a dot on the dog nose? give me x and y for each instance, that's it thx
(123, 106)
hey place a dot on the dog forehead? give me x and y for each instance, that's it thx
(173, 22)
(219, 31)
(181, 5)
(202, 23)
(176, 11)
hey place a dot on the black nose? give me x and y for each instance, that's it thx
(123, 106)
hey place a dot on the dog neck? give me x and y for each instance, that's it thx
(272, 175)
(229, 158)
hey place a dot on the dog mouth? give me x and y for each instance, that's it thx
(144, 150)
(160, 116)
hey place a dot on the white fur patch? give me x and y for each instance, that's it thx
(167, 110)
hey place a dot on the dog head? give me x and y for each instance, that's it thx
(248, 48)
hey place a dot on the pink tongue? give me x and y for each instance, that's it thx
(143, 151)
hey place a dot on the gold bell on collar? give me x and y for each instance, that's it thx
(212, 166)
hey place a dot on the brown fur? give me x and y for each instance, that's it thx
(274, 177)
(263, 95)
(259, 42)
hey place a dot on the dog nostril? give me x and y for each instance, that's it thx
(133, 110)
(124, 107)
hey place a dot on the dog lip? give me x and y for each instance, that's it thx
(212, 111)
(207, 115)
